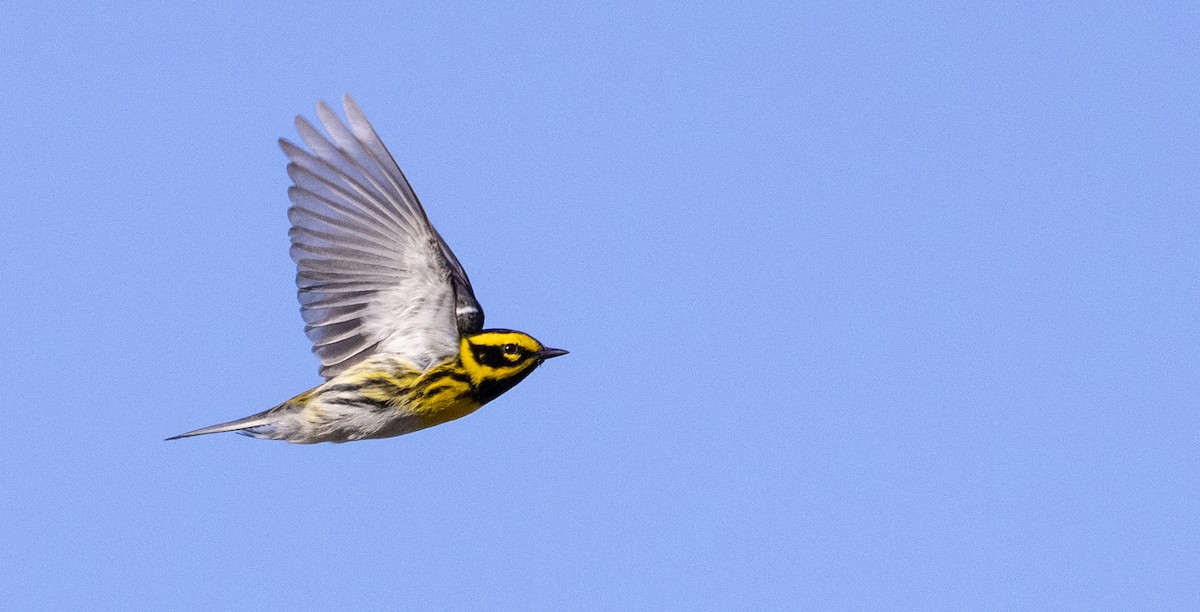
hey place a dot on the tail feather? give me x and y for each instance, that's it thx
(262, 419)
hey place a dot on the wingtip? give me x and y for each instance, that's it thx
(325, 113)
(302, 124)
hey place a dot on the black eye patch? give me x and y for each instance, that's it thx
(497, 356)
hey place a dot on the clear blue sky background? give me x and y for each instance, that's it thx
(870, 306)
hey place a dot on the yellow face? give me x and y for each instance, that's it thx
(497, 359)
(498, 353)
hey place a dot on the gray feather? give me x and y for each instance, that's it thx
(372, 273)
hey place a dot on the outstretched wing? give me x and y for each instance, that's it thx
(373, 274)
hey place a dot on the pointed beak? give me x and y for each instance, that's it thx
(547, 353)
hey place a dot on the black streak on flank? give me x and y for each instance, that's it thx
(360, 400)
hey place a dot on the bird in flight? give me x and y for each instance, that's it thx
(388, 307)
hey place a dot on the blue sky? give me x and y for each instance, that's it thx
(869, 306)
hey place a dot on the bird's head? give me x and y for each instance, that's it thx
(498, 359)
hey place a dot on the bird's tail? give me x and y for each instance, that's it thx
(258, 425)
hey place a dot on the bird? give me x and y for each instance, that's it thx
(387, 306)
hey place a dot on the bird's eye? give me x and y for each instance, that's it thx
(510, 349)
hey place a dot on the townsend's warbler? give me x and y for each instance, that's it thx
(389, 310)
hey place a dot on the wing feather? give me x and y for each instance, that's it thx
(372, 273)
(356, 177)
(329, 210)
(337, 314)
